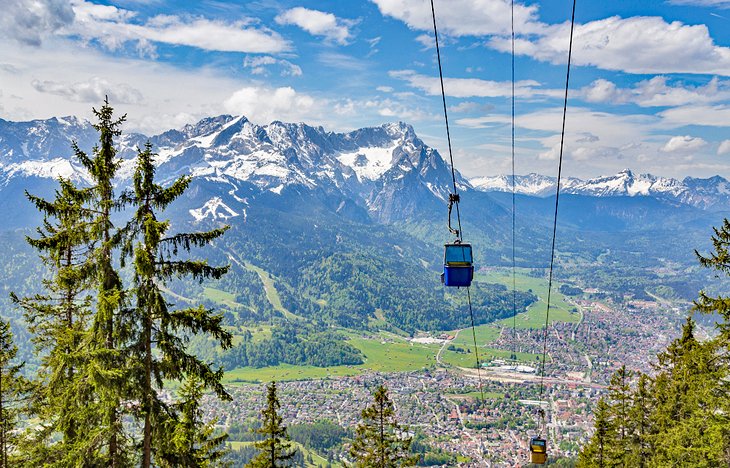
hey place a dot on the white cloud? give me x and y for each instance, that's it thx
(462, 17)
(30, 21)
(683, 144)
(472, 87)
(724, 147)
(709, 116)
(656, 92)
(385, 89)
(113, 27)
(92, 91)
(139, 88)
(636, 45)
(317, 23)
(259, 64)
(264, 105)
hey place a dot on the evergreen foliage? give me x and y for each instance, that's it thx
(380, 441)
(13, 390)
(59, 320)
(681, 416)
(189, 441)
(275, 448)
(106, 350)
(155, 325)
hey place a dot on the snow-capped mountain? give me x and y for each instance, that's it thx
(710, 193)
(385, 172)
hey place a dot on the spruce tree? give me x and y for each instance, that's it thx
(106, 371)
(275, 448)
(596, 454)
(13, 389)
(718, 260)
(640, 416)
(188, 441)
(158, 347)
(690, 422)
(621, 395)
(380, 441)
(58, 319)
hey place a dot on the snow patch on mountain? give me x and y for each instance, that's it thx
(215, 209)
(51, 169)
(369, 163)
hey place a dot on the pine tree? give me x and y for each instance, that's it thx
(379, 440)
(189, 441)
(58, 318)
(620, 394)
(156, 326)
(275, 448)
(690, 423)
(597, 452)
(640, 415)
(718, 260)
(13, 389)
(106, 371)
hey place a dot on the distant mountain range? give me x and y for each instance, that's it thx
(364, 169)
(710, 193)
(350, 225)
(384, 173)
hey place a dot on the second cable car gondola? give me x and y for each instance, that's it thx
(538, 450)
(458, 265)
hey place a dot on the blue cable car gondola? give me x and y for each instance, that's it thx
(458, 265)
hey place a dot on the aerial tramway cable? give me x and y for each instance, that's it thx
(454, 197)
(555, 217)
(514, 275)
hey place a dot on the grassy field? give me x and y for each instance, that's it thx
(534, 317)
(271, 293)
(221, 297)
(316, 458)
(385, 352)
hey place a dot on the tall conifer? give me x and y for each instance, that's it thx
(58, 319)
(158, 347)
(380, 441)
(275, 448)
(13, 388)
(597, 453)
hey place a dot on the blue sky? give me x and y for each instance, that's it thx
(650, 84)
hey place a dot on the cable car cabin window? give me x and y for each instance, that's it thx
(538, 444)
(458, 254)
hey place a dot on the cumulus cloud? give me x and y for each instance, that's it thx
(463, 17)
(259, 65)
(472, 87)
(636, 45)
(655, 92)
(724, 147)
(683, 144)
(113, 27)
(30, 21)
(264, 105)
(317, 23)
(94, 91)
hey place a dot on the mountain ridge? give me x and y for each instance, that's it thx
(705, 193)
